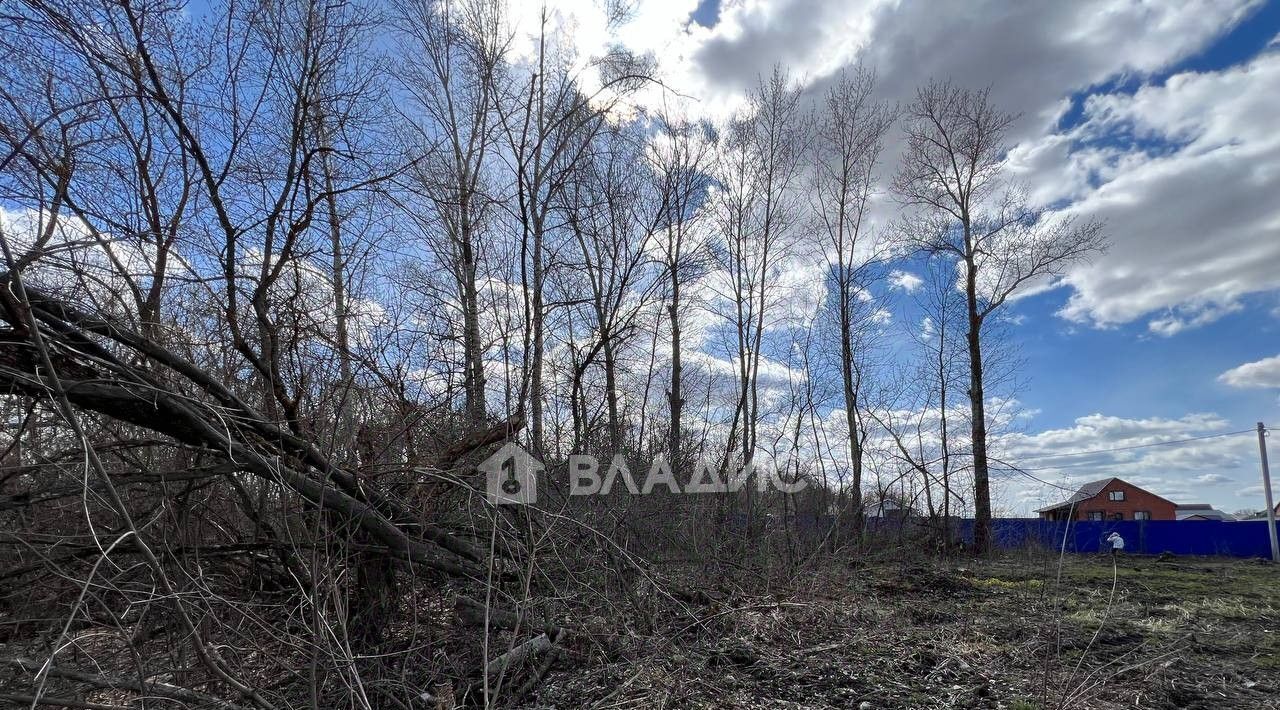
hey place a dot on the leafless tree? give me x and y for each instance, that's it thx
(680, 162)
(952, 172)
(756, 208)
(612, 218)
(452, 65)
(550, 122)
(919, 403)
(849, 131)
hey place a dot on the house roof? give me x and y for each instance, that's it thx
(1204, 511)
(1093, 488)
(1216, 515)
(1086, 492)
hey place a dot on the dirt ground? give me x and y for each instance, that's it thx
(1004, 633)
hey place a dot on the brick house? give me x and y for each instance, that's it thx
(1111, 499)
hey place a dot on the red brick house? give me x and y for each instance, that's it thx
(1111, 499)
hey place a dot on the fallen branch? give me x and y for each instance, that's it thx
(529, 649)
(56, 702)
(133, 396)
(156, 409)
(474, 612)
(163, 690)
(501, 431)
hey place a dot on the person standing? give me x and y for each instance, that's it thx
(1117, 543)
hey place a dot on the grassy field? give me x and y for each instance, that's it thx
(1003, 633)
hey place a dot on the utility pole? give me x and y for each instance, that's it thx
(1266, 490)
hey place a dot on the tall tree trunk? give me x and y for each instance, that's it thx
(850, 397)
(674, 395)
(344, 426)
(611, 393)
(535, 366)
(943, 434)
(473, 350)
(978, 419)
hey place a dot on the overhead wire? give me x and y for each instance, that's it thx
(1026, 471)
(1140, 446)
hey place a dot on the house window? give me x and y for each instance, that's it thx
(1095, 515)
(1141, 515)
(1117, 516)
(1116, 495)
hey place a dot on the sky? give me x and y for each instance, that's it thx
(1158, 118)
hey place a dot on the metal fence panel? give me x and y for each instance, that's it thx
(1244, 538)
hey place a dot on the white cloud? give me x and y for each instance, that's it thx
(1263, 374)
(1031, 53)
(1189, 471)
(1190, 315)
(1195, 226)
(904, 281)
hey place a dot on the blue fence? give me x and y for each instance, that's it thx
(1245, 538)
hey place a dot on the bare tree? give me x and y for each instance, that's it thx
(952, 171)
(849, 132)
(756, 210)
(612, 219)
(917, 412)
(550, 123)
(452, 62)
(680, 162)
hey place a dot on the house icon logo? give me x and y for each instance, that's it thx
(511, 476)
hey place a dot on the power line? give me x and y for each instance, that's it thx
(1137, 446)
(1082, 464)
(1027, 471)
(1035, 478)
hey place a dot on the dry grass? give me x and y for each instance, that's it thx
(974, 634)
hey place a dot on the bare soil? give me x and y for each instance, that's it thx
(1002, 633)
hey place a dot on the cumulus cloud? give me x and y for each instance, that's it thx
(1264, 374)
(1032, 53)
(1192, 220)
(904, 281)
(1149, 452)
(1181, 168)
(1195, 226)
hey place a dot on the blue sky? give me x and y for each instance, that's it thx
(1126, 370)
(1156, 117)
(1129, 372)
(1159, 120)
(707, 13)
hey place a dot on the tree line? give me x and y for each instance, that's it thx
(278, 274)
